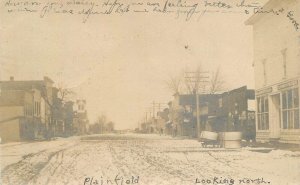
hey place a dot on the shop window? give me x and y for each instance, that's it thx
(290, 109)
(263, 113)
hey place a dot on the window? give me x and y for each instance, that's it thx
(80, 107)
(283, 52)
(290, 109)
(263, 113)
(37, 108)
(220, 102)
(28, 110)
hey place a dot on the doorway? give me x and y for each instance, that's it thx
(275, 117)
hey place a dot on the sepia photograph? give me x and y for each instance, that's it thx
(149, 92)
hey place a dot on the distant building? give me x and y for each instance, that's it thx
(176, 113)
(80, 119)
(207, 109)
(277, 71)
(162, 119)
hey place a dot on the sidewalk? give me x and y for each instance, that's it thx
(277, 146)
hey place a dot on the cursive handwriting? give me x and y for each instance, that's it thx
(290, 16)
(179, 8)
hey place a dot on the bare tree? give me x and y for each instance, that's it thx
(174, 83)
(63, 92)
(195, 80)
(102, 125)
(216, 82)
(102, 119)
(189, 86)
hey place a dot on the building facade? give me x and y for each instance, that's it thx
(80, 119)
(277, 71)
(32, 110)
(236, 112)
(22, 116)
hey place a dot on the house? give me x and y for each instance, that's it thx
(277, 71)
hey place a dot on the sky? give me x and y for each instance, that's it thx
(119, 64)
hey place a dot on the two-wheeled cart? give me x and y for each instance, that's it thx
(209, 139)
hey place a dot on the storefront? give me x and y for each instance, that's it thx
(278, 112)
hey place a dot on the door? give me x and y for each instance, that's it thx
(275, 117)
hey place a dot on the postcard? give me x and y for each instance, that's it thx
(149, 92)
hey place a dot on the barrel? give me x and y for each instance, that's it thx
(209, 135)
(232, 140)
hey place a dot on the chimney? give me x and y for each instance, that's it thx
(11, 78)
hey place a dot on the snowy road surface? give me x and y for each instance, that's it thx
(142, 159)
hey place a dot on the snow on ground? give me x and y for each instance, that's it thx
(14, 152)
(142, 159)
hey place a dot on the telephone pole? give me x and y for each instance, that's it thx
(158, 106)
(198, 79)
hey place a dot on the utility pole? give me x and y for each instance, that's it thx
(197, 77)
(158, 106)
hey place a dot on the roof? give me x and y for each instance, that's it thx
(12, 98)
(190, 99)
(249, 93)
(24, 85)
(20, 85)
(269, 5)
